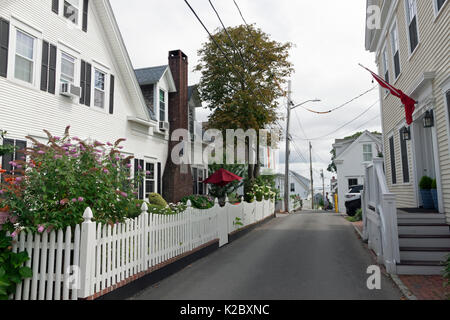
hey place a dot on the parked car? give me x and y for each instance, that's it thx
(353, 200)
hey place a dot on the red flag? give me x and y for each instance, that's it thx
(408, 102)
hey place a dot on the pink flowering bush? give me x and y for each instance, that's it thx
(59, 180)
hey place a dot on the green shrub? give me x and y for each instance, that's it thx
(357, 217)
(447, 272)
(12, 271)
(54, 183)
(434, 184)
(157, 199)
(425, 183)
(199, 202)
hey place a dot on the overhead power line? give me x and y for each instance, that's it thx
(342, 105)
(346, 124)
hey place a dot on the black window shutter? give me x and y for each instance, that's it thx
(111, 95)
(52, 70)
(397, 64)
(405, 164)
(7, 158)
(83, 81)
(44, 66)
(85, 15)
(87, 99)
(159, 178)
(392, 152)
(55, 6)
(4, 47)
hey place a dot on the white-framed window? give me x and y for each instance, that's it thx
(412, 24)
(367, 153)
(68, 66)
(99, 88)
(292, 187)
(24, 56)
(150, 178)
(438, 5)
(395, 46)
(162, 105)
(72, 10)
(352, 182)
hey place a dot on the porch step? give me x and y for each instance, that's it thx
(423, 254)
(424, 240)
(413, 267)
(423, 228)
(421, 218)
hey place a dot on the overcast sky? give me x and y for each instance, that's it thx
(329, 43)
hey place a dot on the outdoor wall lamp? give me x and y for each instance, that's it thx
(406, 133)
(428, 120)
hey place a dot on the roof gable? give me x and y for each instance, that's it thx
(366, 134)
(152, 75)
(119, 52)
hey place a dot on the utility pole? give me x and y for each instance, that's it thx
(286, 174)
(312, 179)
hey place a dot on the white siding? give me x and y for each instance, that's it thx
(27, 111)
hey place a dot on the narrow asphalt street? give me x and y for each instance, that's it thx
(302, 256)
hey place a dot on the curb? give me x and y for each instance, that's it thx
(403, 288)
(398, 282)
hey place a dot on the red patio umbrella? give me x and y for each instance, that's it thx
(222, 177)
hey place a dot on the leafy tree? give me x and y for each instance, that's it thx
(332, 166)
(243, 94)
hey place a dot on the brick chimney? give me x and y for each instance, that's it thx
(177, 179)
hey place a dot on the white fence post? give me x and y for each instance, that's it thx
(189, 212)
(364, 196)
(222, 223)
(145, 236)
(87, 248)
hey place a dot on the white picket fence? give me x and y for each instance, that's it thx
(70, 265)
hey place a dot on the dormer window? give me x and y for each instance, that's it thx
(162, 105)
(72, 10)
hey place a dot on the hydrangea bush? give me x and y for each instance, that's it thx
(52, 184)
(261, 192)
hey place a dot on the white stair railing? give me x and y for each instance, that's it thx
(380, 216)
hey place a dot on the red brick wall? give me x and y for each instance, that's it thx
(177, 181)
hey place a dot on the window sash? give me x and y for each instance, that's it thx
(24, 57)
(411, 8)
(352, 182)
(162, 105)
(99, 89)
(72, 10)
(67, 68)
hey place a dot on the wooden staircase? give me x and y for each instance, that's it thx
(424, 240)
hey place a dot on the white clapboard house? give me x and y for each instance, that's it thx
(63, 62)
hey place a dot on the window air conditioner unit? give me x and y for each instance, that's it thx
(70, 90)
(163, 126)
